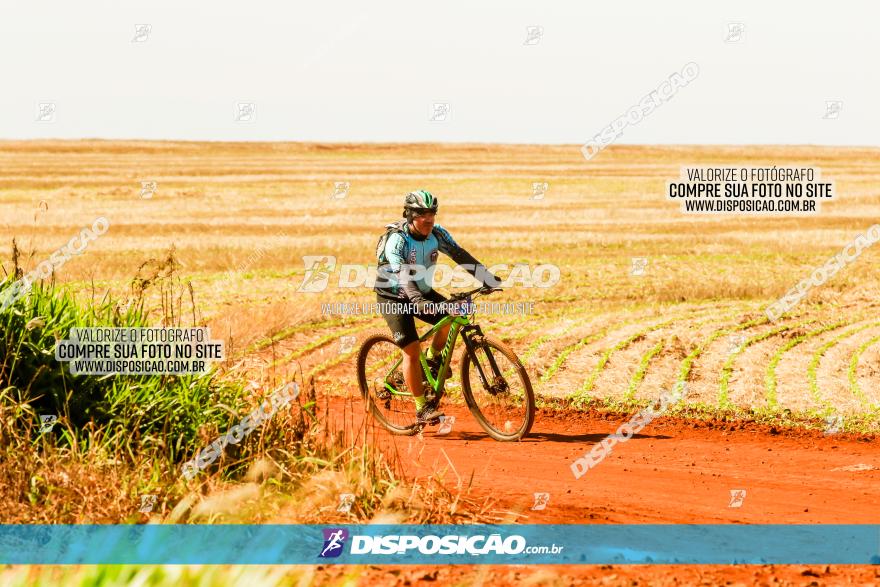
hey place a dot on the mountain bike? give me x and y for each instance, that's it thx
(494, 383)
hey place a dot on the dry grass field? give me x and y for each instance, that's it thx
(241, 215)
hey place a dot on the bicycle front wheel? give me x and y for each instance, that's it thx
(503, 403)
(380, 378)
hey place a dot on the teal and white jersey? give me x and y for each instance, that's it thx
(402, 249)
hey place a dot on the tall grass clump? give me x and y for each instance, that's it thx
(124, 412)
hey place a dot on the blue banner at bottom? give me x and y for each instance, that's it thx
(440, 544)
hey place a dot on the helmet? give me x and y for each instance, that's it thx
(419, 202)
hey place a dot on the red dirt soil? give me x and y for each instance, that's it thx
(674, 471)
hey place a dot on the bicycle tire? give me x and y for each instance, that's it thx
(372, 339)
(528, 421)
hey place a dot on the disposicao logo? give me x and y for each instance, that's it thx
(334, 541)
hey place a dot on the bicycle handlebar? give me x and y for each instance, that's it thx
(484, 290)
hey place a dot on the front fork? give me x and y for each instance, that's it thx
(474, 338)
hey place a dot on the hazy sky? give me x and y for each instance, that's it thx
(367, 71)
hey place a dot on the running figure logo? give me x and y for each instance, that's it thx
(533, 35)
(439, 112)
(147, 503)
(334, 540)
(735, 32)
(539, 188)
(318, 269)
(541, 501)
(832, 109)
(47, 422)
(639, 264)
(46, 112)
(148, 188)
(340, 190)
(737, 497)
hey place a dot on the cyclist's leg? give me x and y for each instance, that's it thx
(439, 340)
(403, 330)
(412, 370)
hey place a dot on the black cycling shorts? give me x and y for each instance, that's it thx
(401, 320)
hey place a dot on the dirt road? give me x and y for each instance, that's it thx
(675, 471)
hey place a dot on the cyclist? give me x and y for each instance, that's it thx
(405, 255)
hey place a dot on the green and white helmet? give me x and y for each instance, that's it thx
(420, 202)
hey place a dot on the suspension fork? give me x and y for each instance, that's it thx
(473, 338)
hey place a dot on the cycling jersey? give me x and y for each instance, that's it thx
(404, 252)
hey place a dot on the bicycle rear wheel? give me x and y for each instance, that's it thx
(504, 404)
(379, 365)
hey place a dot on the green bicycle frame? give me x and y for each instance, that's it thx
(457, 322)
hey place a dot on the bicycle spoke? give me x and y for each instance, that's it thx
(502, 399)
